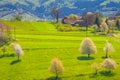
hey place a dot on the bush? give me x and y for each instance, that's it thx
(74, 29)
(3, 41)
(112, 26)
(95, 28)
(64, 27)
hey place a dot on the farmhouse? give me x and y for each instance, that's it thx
(67, 20)
(75, 19)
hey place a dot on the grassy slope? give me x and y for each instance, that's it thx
(46, 44)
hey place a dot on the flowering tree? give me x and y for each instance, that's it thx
(18, 50)
(104, 27)
(87, 47)
(5, 34)
(109, 64)
(96, 67)
(108, 48)
(56, 67)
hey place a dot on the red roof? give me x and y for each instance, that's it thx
(70, 21)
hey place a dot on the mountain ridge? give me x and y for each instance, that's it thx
(37, 9)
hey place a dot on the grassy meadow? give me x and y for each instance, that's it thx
(41, 42)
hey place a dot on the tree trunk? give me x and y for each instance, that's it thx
(99, 27)
(109, 71)
(57, 17)
(106, 55)
(112, 29)
(18, 58)
(96, 72)
(86, 31)
(3, 53)
(56, 78)
(108, 29)
(119, 27)
(14, 33)
(88, 55)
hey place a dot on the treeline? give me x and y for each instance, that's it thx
(93, 20)
(89, 20)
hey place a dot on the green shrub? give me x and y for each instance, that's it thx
(66, 27)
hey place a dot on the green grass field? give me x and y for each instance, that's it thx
(41, 42)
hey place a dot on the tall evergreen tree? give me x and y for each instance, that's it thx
(98, 22)
(118, 24)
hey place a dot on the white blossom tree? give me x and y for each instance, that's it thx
(96, 67)
(109, 64)
(87, 47)
(104, 26)
(108, 48)
(18, 50)
(56, 67)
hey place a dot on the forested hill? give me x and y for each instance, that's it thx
(35, 9)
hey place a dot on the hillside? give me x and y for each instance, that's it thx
(34, 10)
(40, 47)
(31, 27)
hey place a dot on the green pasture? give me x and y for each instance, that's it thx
(41, 42)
